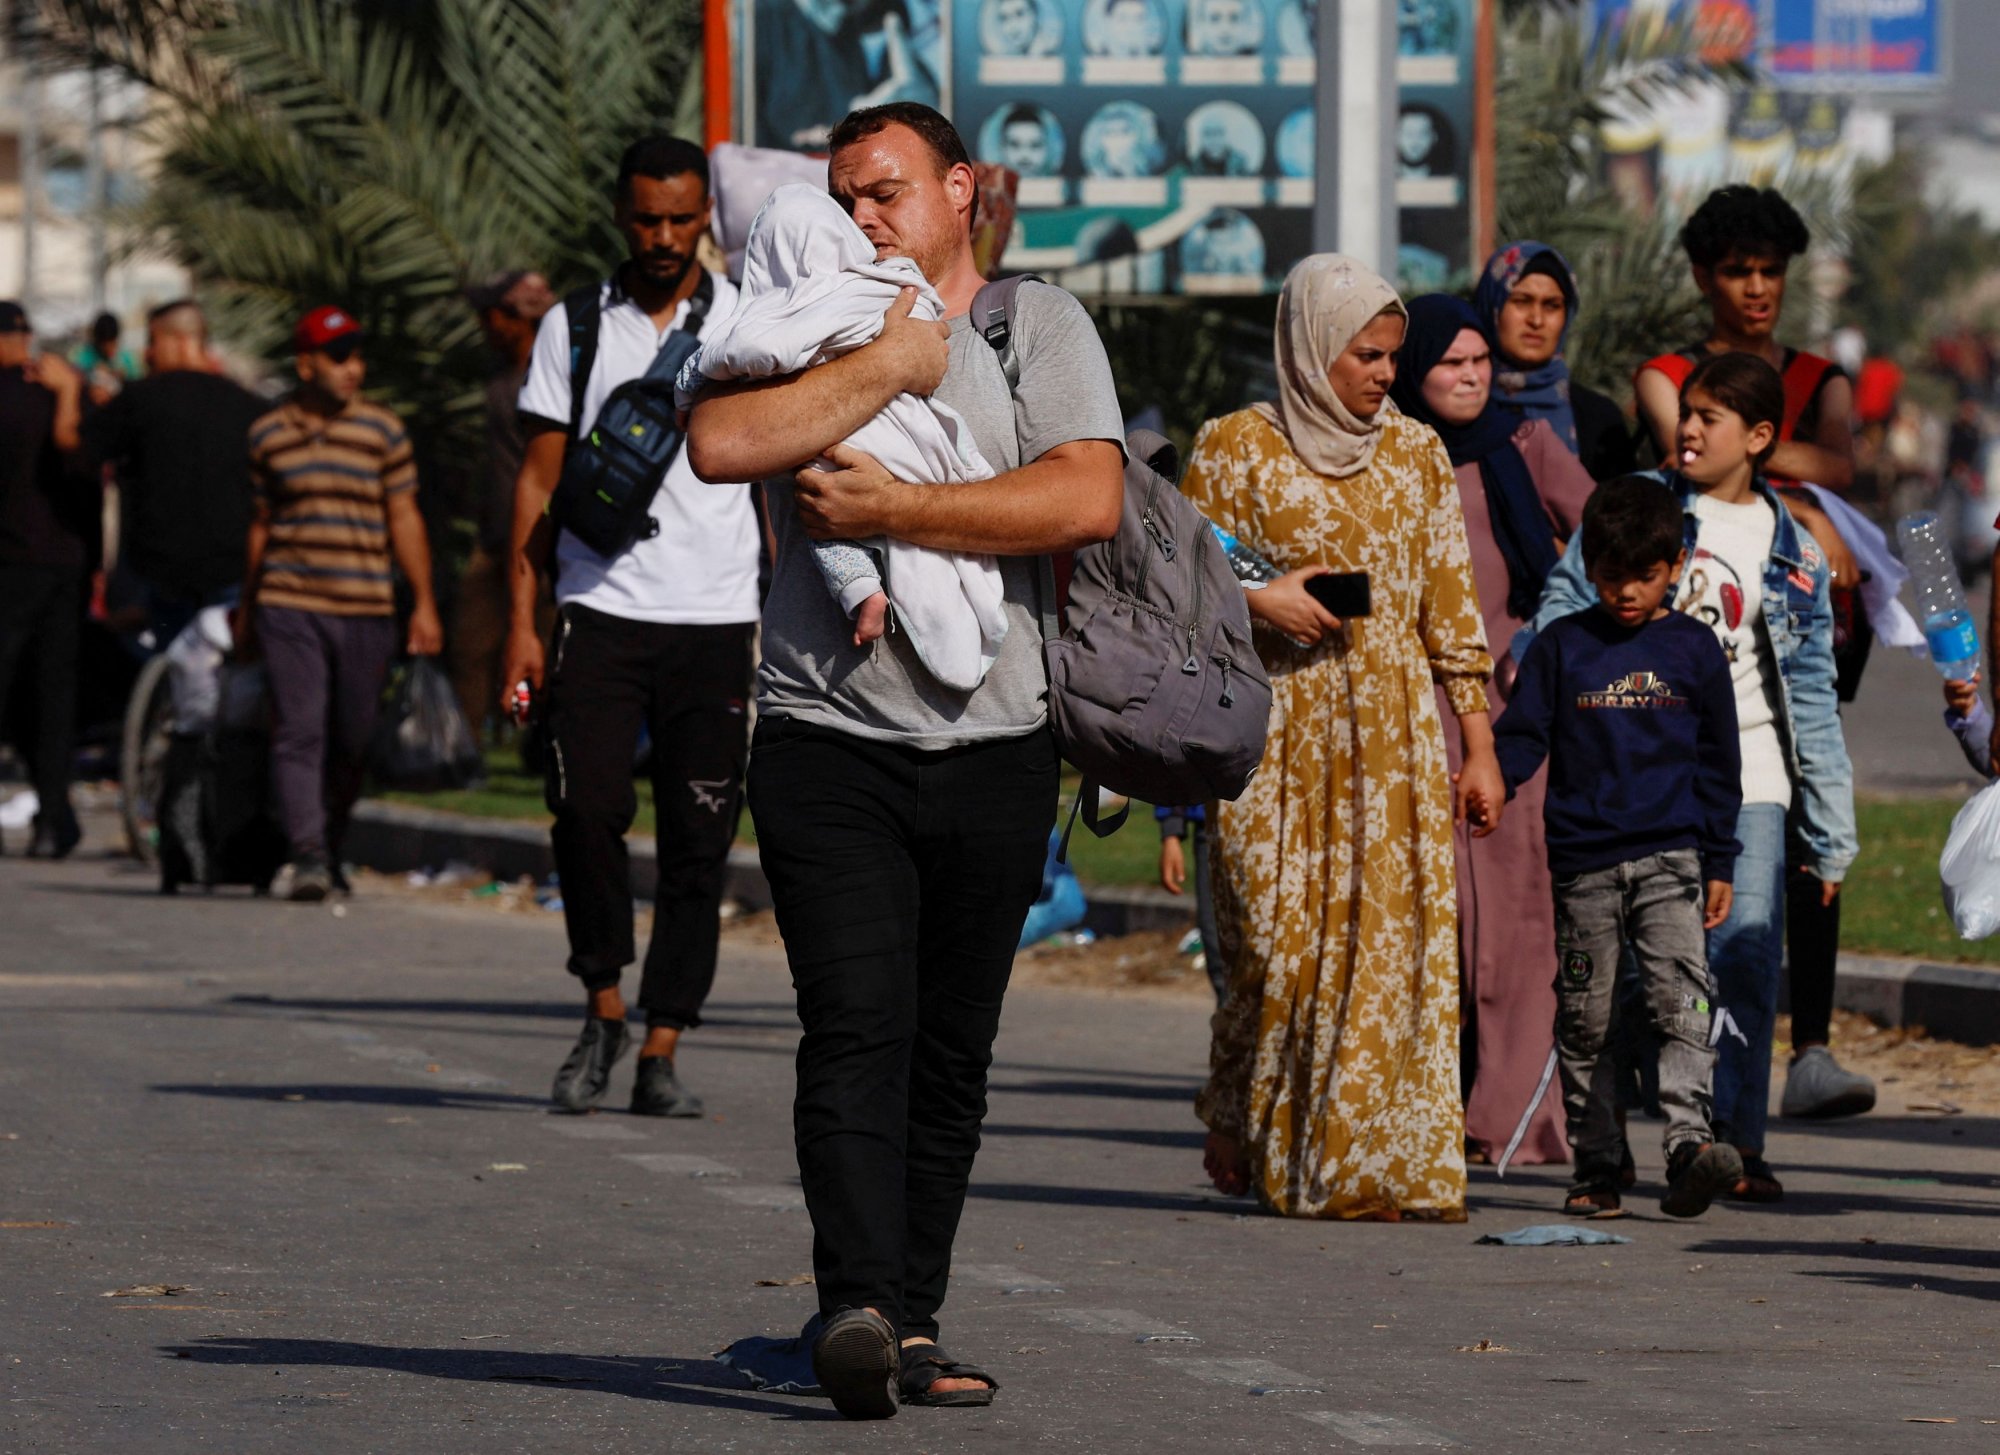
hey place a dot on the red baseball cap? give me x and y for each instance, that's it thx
(322, 326)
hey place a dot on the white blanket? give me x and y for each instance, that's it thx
(812, 290)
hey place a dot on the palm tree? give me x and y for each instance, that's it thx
(381, 154)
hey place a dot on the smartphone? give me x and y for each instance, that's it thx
(1343, 593)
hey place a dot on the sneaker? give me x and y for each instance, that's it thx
(1818, 1086)
(310, 882)
(581, 1082)
(1696, 1172)
(657, 1092)
(337, 876)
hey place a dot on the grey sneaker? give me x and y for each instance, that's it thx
(657, 1092)
(311, 882)
(1818, 1086)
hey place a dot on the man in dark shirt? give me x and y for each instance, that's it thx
(510, 309)
(45, 526)
(175, 441)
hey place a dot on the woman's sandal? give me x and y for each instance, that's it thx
(1594, 1197)
(925, 1364)
(1758, 1182)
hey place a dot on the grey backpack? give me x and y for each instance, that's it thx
(1154, 688)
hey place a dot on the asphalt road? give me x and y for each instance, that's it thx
(329, 1128)
(1895, 725)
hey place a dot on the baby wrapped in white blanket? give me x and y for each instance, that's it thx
(812, 290)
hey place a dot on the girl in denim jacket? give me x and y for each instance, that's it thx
(1761, 584)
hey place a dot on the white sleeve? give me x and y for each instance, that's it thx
(545, 393)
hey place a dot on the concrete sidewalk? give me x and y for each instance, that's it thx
(1958, 1002)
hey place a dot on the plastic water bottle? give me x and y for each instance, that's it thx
(1948, 626)
(1250, 568)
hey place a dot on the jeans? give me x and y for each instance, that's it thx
(686, 686)
(1743, 956)
(900, 880)
(326, 674)
(41, 615)
(1653, 905)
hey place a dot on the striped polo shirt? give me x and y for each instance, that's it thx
(325, 486)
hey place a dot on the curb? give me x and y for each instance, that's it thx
(1957, 1002)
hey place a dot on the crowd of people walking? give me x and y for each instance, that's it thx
(1529, 842)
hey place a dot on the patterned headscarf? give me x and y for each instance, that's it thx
(1327, 299)
(1541, 391)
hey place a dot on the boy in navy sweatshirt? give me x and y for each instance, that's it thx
(1633, 706)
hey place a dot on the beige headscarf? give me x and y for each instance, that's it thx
(1327, 299)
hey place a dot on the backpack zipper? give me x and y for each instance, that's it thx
(1192, 665)
(1228, 697)
(1152, 527)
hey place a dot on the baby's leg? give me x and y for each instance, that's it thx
(855, 581)
(871, 618)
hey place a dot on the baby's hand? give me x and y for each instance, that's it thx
(870, 617)
(1962, 696)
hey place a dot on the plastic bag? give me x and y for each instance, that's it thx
(194, 669)
(1970, 866)
(423, 742)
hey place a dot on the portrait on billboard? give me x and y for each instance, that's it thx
(1296, 139)
(1224, 244)
(1224, 140)
(1123, 140)
(1024, 137)
(1020, 27)
(1224, 27)
(1298, 27)
(817, 60)
(1124, 29)
(1425, 145)
(1427, 27)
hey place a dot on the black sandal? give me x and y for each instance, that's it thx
(1594, 1197)
(854, 1360)
(925, 1364)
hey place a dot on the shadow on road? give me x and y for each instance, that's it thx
(1131, 1136)
(423, 1096)
(563, 1010)
(1181, 1091)
(1922, 1255)
(701, 1382)
(1108, 1197)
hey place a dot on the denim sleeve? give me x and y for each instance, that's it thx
(1975, 734)
(850, 571)
(1826, 777)
(1567, 592)
(1521, 736)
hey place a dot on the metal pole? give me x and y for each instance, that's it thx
(99, 200)
(31, 182)
(1354, 194)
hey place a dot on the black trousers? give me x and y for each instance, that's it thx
(687, 686)
(41, 616)
(1812, 948)
(901, 880)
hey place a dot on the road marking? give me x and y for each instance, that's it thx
(413, 1061)
(680, 1164)
(1007, 1280)
(1144, 1328)
(593, 1129)
(768, 1196)
(1259, 1376)
(1363, 1428)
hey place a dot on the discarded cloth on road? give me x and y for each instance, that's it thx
(813, 290)
(1553, 1235)
(776, 1366)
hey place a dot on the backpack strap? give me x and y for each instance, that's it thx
(584, 307)
(1803, 377)
(667, 362)
(992, 315)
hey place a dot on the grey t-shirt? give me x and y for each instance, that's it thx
(811, 669)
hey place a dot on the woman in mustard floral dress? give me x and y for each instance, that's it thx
(1333, 1087)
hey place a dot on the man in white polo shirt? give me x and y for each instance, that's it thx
(657, 638)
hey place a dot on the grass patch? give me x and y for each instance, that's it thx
(1129, 857)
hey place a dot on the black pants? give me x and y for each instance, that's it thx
(687, 687)
(1812, 949)
(901, 880)
(41, 615)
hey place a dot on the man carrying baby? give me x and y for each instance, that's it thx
(902, 823)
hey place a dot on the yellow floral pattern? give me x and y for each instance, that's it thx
(1335, 1053)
